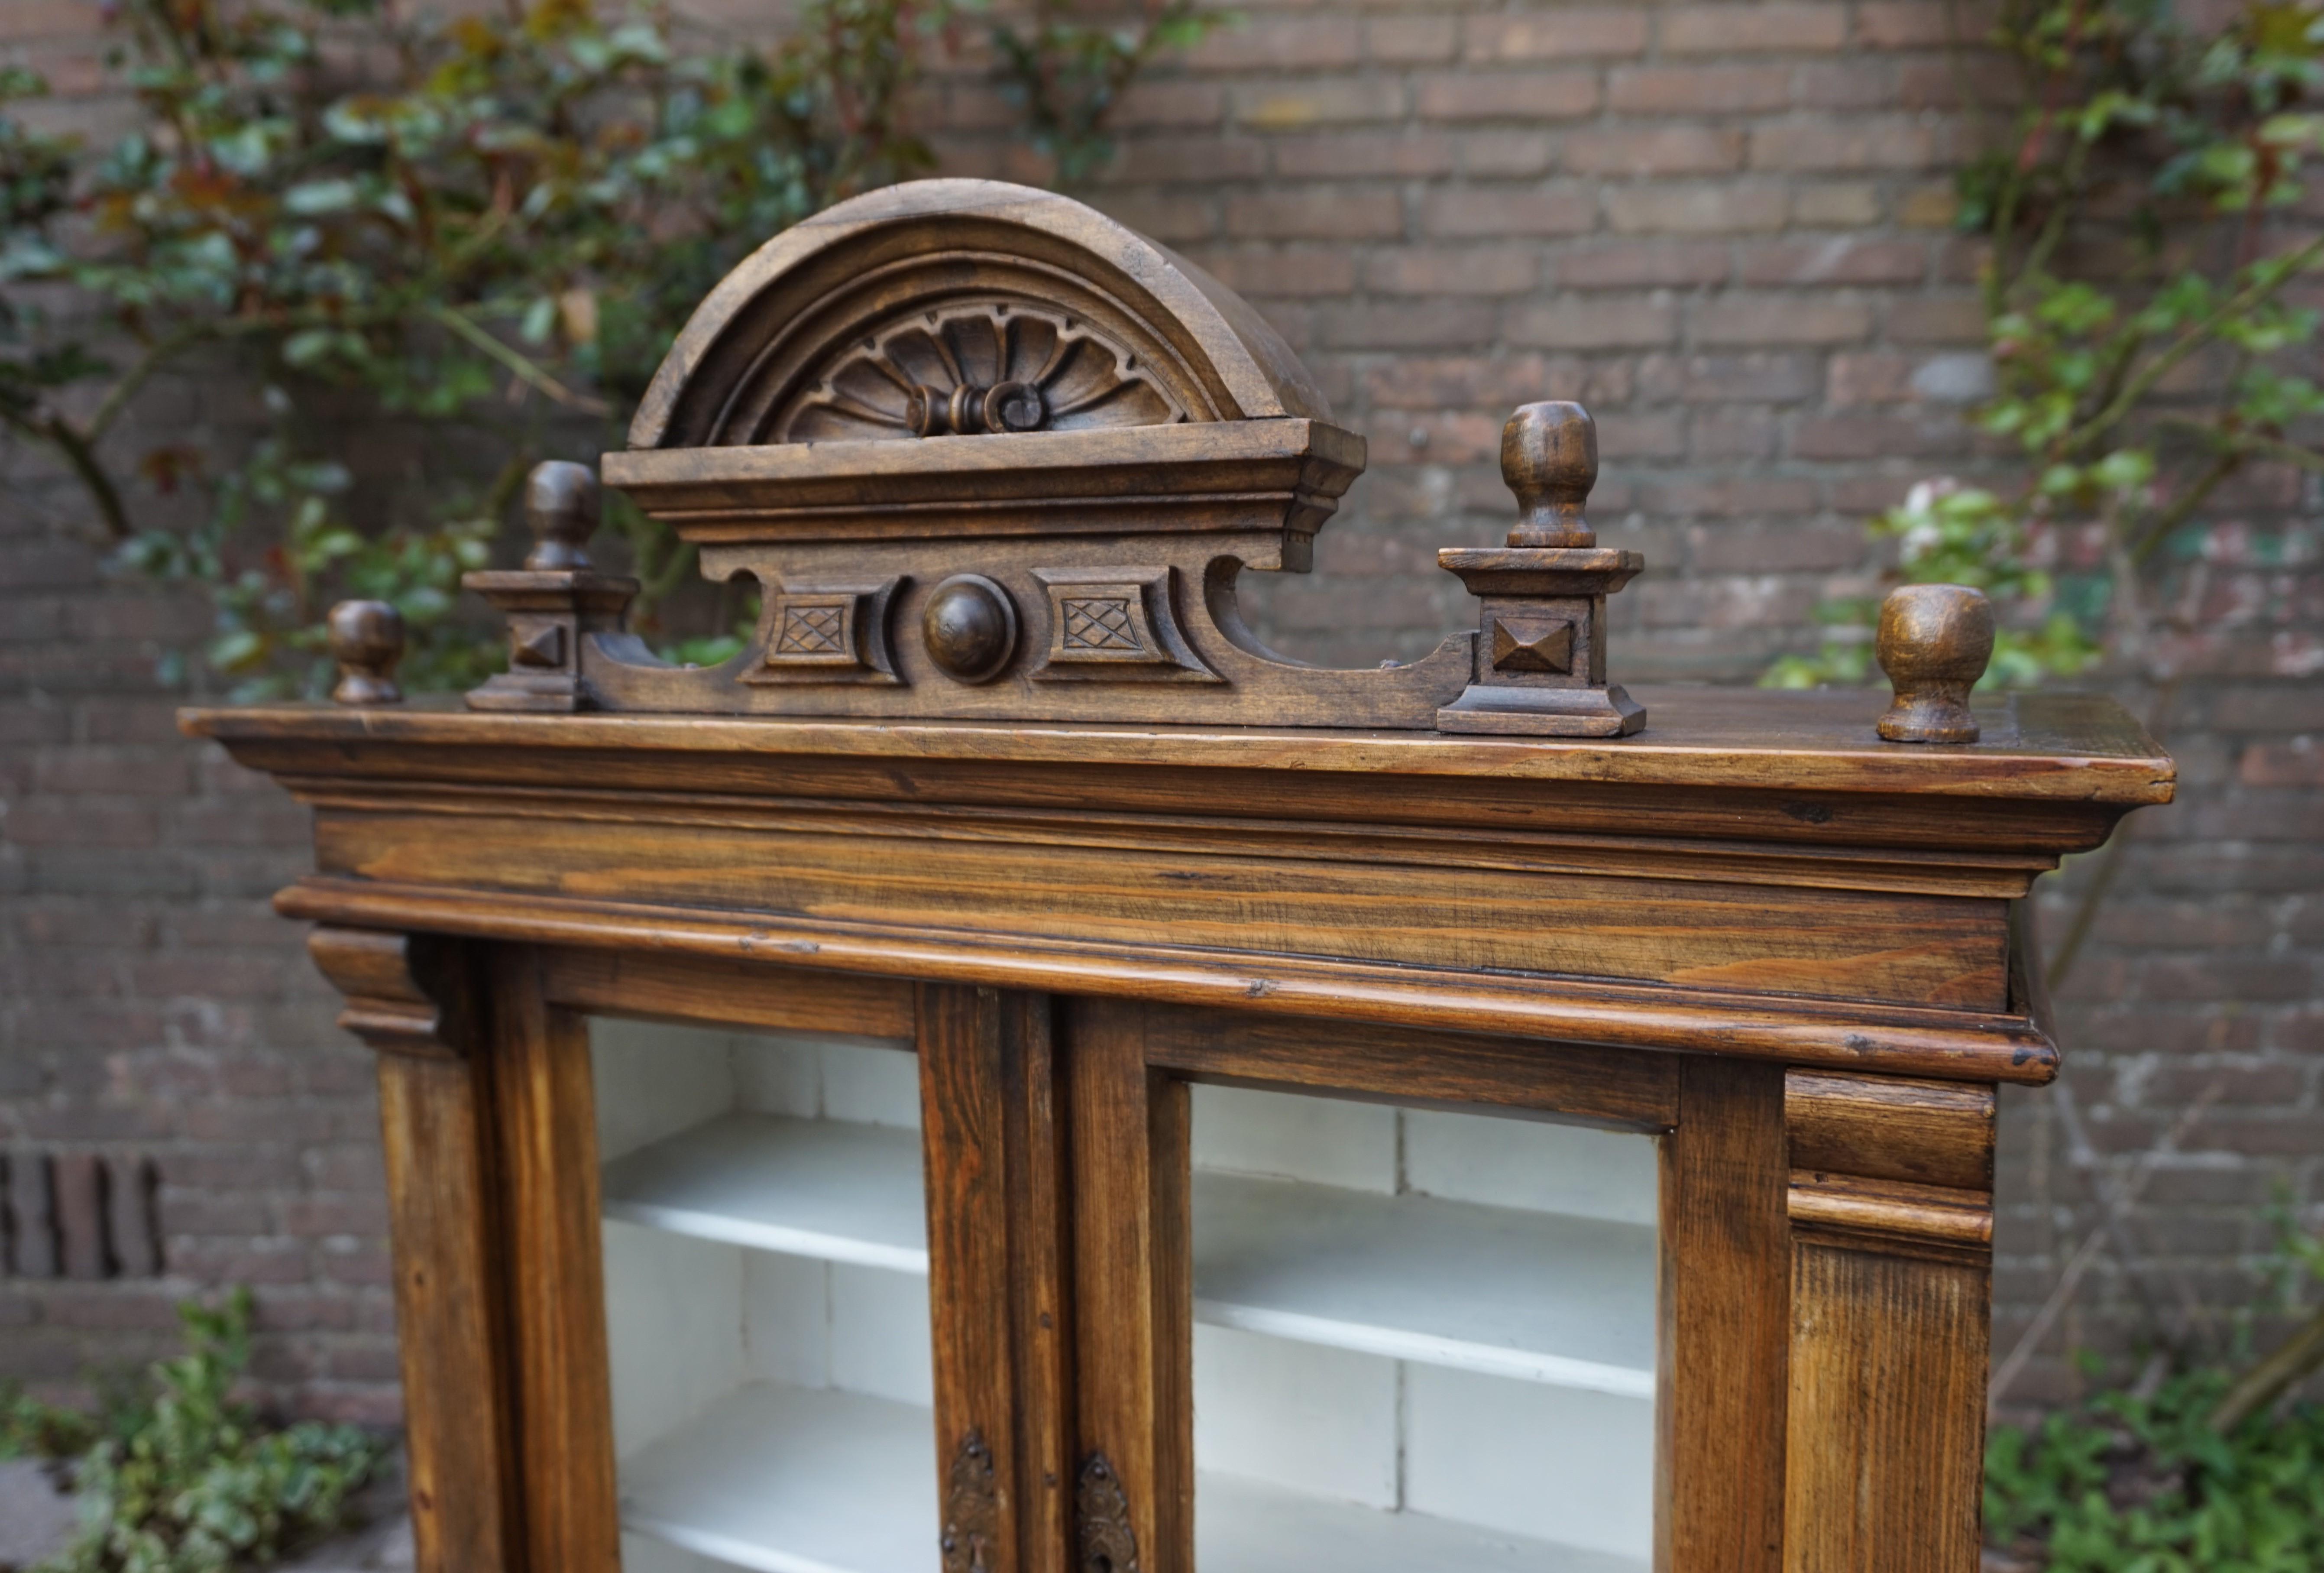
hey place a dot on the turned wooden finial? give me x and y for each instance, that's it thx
(367, 641)
(561, 504)
(1549, 459)
(1934, 641)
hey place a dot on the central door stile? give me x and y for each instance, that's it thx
(1133, 1266)
(991, 1119)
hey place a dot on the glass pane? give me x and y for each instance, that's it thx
(1422, 1340)
(766, 1297)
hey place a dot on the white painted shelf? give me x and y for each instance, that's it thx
(826, 1188)
(793, 1480)
(788, 1480)
(1243, 1526)
(1538, 1297)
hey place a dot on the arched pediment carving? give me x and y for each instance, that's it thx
(967, 370)
(962, 308)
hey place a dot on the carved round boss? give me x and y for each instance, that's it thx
(971, 626)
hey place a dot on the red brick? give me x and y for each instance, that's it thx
(1718, 378)
(1839, 260)
(1296, 270)
(43, 822)
(1851, 83)
(1937, 319)
(2297, 762)
(1278, 43)
(1489, 155)
(1532, 95)
(1692, 90)
(1490, 210)
(1596, 322)
(1874, 377)
(1319, 101)
(1642, 264)
(1323, 213)
(1171, 159)
(1725, 208)
(1565, 33)
(124, 771)
(1431, 324)
(31, 19)
(1920, 23)
(1410, 39)
(1177, 104)
(1878, 436)
(1662, 150)
(1476, 270)
(1765, 28)
(1343, 153)
(1854, 143)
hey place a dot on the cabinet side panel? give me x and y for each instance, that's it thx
(1725, 1323)
(447, 1314)
(546, 1132)
(1132, 1282)
(1888, 1413)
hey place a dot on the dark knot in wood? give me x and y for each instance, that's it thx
(366, 641)
(1934, 643)
(971, 626)
(1108, 1543)
(1549, 459)
(561, 504)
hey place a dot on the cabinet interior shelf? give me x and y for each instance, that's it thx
(793, 1480)
(1536, 1297)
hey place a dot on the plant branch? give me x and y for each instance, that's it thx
(2272, 1377)
(522, 367)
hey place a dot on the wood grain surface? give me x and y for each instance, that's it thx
(1955, 1044)
(1133, 1275)
(546, 1133)
(1720, 1374)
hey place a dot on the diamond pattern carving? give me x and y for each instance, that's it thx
(814, 631)
(1095, 623)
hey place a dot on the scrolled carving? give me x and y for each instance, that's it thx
(399, 998)
(967, 370)
(972, 1509)
(821, 631)
(1107, 1543)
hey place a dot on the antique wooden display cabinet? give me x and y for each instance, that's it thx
(1007, 1073)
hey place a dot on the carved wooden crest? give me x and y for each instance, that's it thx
(986, 454)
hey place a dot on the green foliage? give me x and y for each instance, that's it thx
(178, 1477)
(2135, 1484)
(476, 236)
(1069, 74)
(2098, 323)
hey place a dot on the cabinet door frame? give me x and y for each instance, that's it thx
(1057, 1170)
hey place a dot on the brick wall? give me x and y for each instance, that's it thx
(1725, 227)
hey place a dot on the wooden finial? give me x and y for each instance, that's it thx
(561, 504)
(1934, 641)
(1549, 459)
(367, 641)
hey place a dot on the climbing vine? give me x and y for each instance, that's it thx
(465, 241)
(2150, 232)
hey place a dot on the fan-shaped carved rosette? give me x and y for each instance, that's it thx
(995, 367)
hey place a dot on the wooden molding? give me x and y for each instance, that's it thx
(1922, 1133)
(1963, 1045)
(1873, 1214)
(396, 993)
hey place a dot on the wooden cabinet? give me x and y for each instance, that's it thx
(1009, 1074)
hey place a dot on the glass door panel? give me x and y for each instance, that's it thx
(766, 1307)
(1421, 1339)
